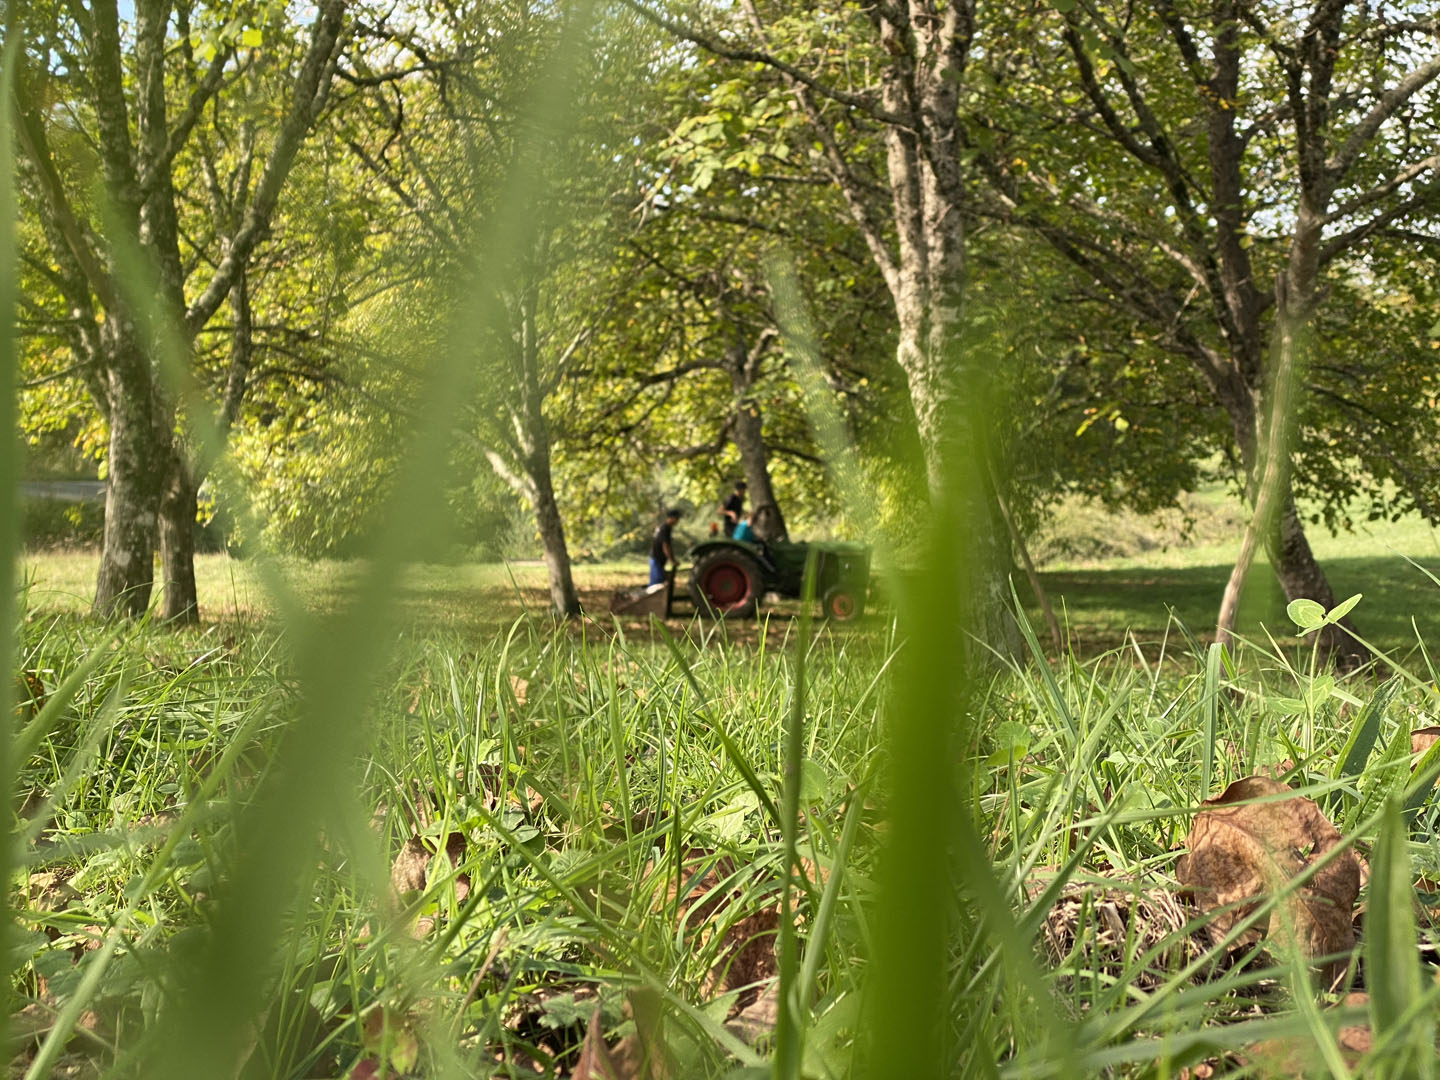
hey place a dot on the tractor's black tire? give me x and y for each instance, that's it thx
(726, 584)
(842, 603)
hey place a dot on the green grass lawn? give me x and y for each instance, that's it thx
(461, 598)
(1100, 599)
(448, 852)
(1104, 598)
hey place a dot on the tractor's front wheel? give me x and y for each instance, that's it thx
(726, 584)
(842, 603)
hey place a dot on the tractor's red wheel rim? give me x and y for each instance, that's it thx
(842, 606)
(726, 585)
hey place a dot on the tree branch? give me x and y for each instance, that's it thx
(308, 96)
(1385, 108)
(712, 44)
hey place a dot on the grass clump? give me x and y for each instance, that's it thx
(575, 827)
(557, 826)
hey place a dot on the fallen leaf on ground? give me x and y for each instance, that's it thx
(29, 693)
(1421, 739)
(595, 1061)
(1102, 927)
(745, 962)
(520, 688)
(1239, 854)
(409, 874)
(389, 1036)
(50, 891)
(638, 1056)
(1299, 1056)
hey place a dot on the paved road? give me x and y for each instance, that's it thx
(64, 490)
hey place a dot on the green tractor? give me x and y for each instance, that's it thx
(729, 577)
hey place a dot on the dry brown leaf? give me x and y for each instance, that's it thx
(1299, 1057)
(1421, 739)
(595, 1062)
(520, 688)
(1103, 928)
(50, 891)
(639, 1056)
(746, 961)
(411, 869)
(1239, 853)
(758, 1019)
(29, 694)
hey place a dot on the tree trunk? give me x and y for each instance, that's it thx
(563, 597)
(748, 432)
(181, 602)
(136, 466)
(953, 436)
(1300, 577)
(1291, 558)
(536, 440)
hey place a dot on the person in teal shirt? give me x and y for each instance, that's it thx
(743, 531)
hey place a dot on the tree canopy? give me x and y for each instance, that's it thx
(1048, 249)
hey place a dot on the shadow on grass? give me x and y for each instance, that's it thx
(1101, 605)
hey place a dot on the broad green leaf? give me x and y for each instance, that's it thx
(1305, 613)
(728, 823)
(815, 782)
(1365, 731)
(1320, 690)
(252, 38)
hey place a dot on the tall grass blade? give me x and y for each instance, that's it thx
(1360, 744)
(789, 1029)
(9, 479)
(337, 660)
(1211, 712)
(1392, 966)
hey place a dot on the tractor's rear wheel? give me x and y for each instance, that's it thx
(842, 603)
(726, 584)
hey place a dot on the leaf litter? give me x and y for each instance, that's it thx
(1240, 851)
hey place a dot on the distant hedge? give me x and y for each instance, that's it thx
(57, 523)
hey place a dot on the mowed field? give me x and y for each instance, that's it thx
(1138, 585)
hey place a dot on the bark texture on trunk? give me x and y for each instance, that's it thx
(132, 487)
(178, 506)
(563, 597)
(747, 429)
(528, 469)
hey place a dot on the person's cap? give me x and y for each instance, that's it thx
(674, 512)
(740, 485)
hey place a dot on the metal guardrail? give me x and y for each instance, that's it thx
(64, 490)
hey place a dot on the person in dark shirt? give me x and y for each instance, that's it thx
(662, 547)
(732, 506)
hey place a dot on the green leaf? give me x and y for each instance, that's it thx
(1340, 610)
(1064, 6)
(1320, 690)
(1306, 614)
(728, 823)
(1362, 738)
(252, 38)
(1285, 706)
(815, 782)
